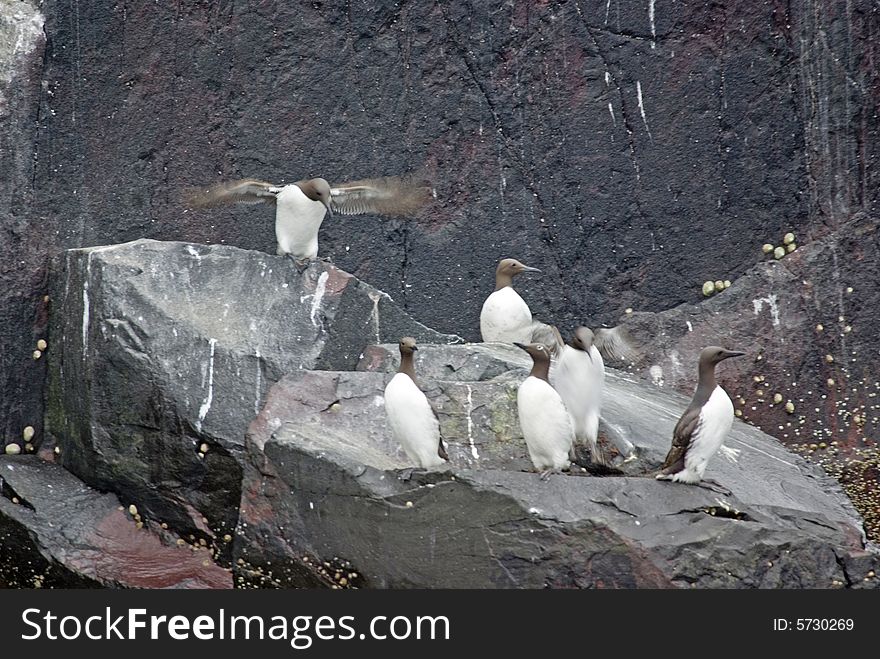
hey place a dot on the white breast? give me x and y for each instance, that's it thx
(506, 317)
(545, 424)
(580, 382)
(716, 419)
(412, 421)
(297, 220)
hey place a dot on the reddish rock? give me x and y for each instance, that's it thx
(68, 535)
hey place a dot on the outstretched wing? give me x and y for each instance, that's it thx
(246, 191)
(616, 344)
(395, 196)
(682, 436)
(548, 335)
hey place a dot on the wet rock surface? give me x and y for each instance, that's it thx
(56, 532)
(163, 352)
(322, 483)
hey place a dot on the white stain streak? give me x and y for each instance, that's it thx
(607, 9)
(259, 382)
(642, 108)
(656, 375)
(729, 454)
(611, 110)
(206, 405)
(653, 28)
(375, 297)
(690, 327)
(771, 301)
(192, 251)
(318, 297)
(85, 320)
(470, 422)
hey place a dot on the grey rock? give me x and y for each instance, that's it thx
(158, 348)
(55, 532)
(322, 484)
(789, 316)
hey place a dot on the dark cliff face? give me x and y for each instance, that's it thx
(631, 150)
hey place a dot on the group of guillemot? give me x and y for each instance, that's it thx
(554, 417)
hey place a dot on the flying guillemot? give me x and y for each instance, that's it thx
(702, 428)
(414, 423)
(300, 207)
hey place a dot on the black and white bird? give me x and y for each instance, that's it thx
(702, 428)
(414, 423)
(505, 317)
(300, 207)
(546, 424)
(579, 377)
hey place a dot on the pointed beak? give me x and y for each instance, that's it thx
(415, 348)
(521, 345)
(530, 269)
(731, 353)
(329, 208)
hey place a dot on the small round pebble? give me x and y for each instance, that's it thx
(132, 510)
(789, 407)
(13, 449)
(708, 288)
(788, 239)
(42, 345)
(777, 398)
(203, 448)
(28, 433)
(767, 248)
(779, 252)
(790, 247)
(37, 354)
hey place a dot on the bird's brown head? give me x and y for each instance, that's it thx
(713, 354)
(508, 269)
(583, 339)
(540, 354)
(317, 189)
(407, 345)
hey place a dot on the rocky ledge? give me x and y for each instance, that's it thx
(324, 496)
(218, 419)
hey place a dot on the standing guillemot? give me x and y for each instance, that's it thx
(580, 380)
(701, 430)
(414, 423)
(505, 317)
(546, 424)
(300, 207)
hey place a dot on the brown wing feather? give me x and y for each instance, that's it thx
(245, 191)
(616, 344)
(395, 196)
(681, 438)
